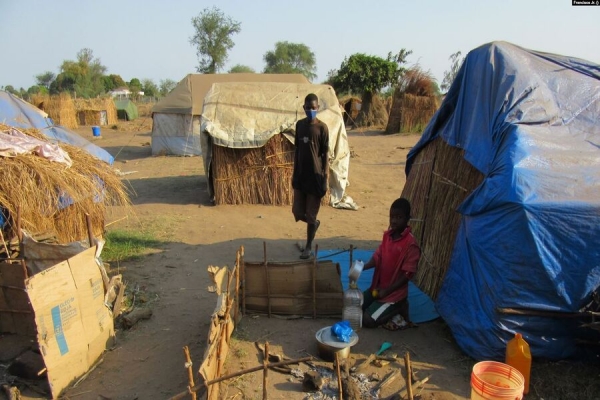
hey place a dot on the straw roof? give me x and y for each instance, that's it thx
(36, 186)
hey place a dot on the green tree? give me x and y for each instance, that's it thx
(149, 88)
(35, 89)
(166, 85)
(11, 89)
(212, 39)
(291, 58)
(113, 81)
(45, 79)
(83, 76)
(455, 63)
(368, 75)
(241, 69)
(135, 87)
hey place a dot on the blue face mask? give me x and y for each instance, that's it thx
(311, 114)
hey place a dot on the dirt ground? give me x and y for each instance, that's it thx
(170, 196)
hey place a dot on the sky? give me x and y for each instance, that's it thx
(150, 38)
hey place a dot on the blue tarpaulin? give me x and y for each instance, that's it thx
(20, 114)
(529, 235)
(421, 307)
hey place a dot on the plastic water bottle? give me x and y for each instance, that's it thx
(518, 356)
(352, 311)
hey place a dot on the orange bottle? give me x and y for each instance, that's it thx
(518, 356)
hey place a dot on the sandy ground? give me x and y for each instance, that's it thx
(170, 197)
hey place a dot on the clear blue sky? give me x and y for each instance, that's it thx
(150, 38)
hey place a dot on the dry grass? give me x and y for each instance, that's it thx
(35, 185)
(261, 175)
(89, 111)
(145, 109)
(59, 107)
(439, 181)
(410, 113)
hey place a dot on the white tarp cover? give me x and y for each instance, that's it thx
(247, 115)
(177, 134)
(14, 142)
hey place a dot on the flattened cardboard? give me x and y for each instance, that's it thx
(74, 325)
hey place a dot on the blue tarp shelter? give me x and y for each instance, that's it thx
(529, 235)
(20, 114)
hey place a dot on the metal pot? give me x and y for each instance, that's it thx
(328, 345)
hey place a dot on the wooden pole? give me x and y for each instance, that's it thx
(339, 375)
(265, 370)
(243, 271)
(19, 231)
(237, 288)
(88, 222)
(351, 256)
(4, 244)
(200, 387)
(267, 277)
(409, 390)
(188, 364)
(314, 282)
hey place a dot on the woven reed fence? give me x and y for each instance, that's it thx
(410, 113)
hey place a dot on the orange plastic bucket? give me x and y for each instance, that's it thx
(492, 380)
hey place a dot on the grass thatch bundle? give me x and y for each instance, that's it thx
(99, 111)
(58, 107)
(260, 175)
(34, 185)
(411, 113)
(439, 181)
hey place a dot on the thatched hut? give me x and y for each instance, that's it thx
(100, 111)
(410, 113)
(506, 201)
(60, 108)
(351, 106)
(43, 196)
(247, 141)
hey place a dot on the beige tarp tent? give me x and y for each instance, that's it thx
(176, 118)
(247, 115)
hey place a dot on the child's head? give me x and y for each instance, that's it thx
(399, 215)
(311, 106)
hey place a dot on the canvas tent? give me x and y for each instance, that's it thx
(20, 114)
(529, 232)
(247, 115)
(176, 118)
(126, 109)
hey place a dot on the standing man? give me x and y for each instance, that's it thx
(311, 168)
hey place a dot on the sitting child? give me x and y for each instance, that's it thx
(395, 262)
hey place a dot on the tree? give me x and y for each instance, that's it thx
(149, 88)
(368, 75)
(291, 58)
(83, 76)
(135, 87)
(241, 69)
(35, 89)
(213, 39)
(455, 64)
(45, 79)
(113, 81)
(166, 85)
(11, 89)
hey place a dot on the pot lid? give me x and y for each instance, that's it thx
(325, 336)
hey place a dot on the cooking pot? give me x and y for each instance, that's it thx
(328, 344)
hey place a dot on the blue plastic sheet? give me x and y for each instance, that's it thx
(20, 114)
(421, 309)
(530, 233)
(342, 331)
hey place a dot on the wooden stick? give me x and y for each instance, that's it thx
(267, 277)
(339, 375)
(202, 386)
(88, 222)
(188, 364)
(237, 287)
(24, 268)
(265, 370)
(409, 390)
(243, 271)
(19, 231)
(4, 244)
(351, 256)
(415, 386)
(314, 282)
(545, 313)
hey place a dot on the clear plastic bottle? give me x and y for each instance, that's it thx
(352, 311)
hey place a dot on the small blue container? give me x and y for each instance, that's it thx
(96, 130)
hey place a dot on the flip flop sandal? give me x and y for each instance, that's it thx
(390, 326)
(307, 256)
